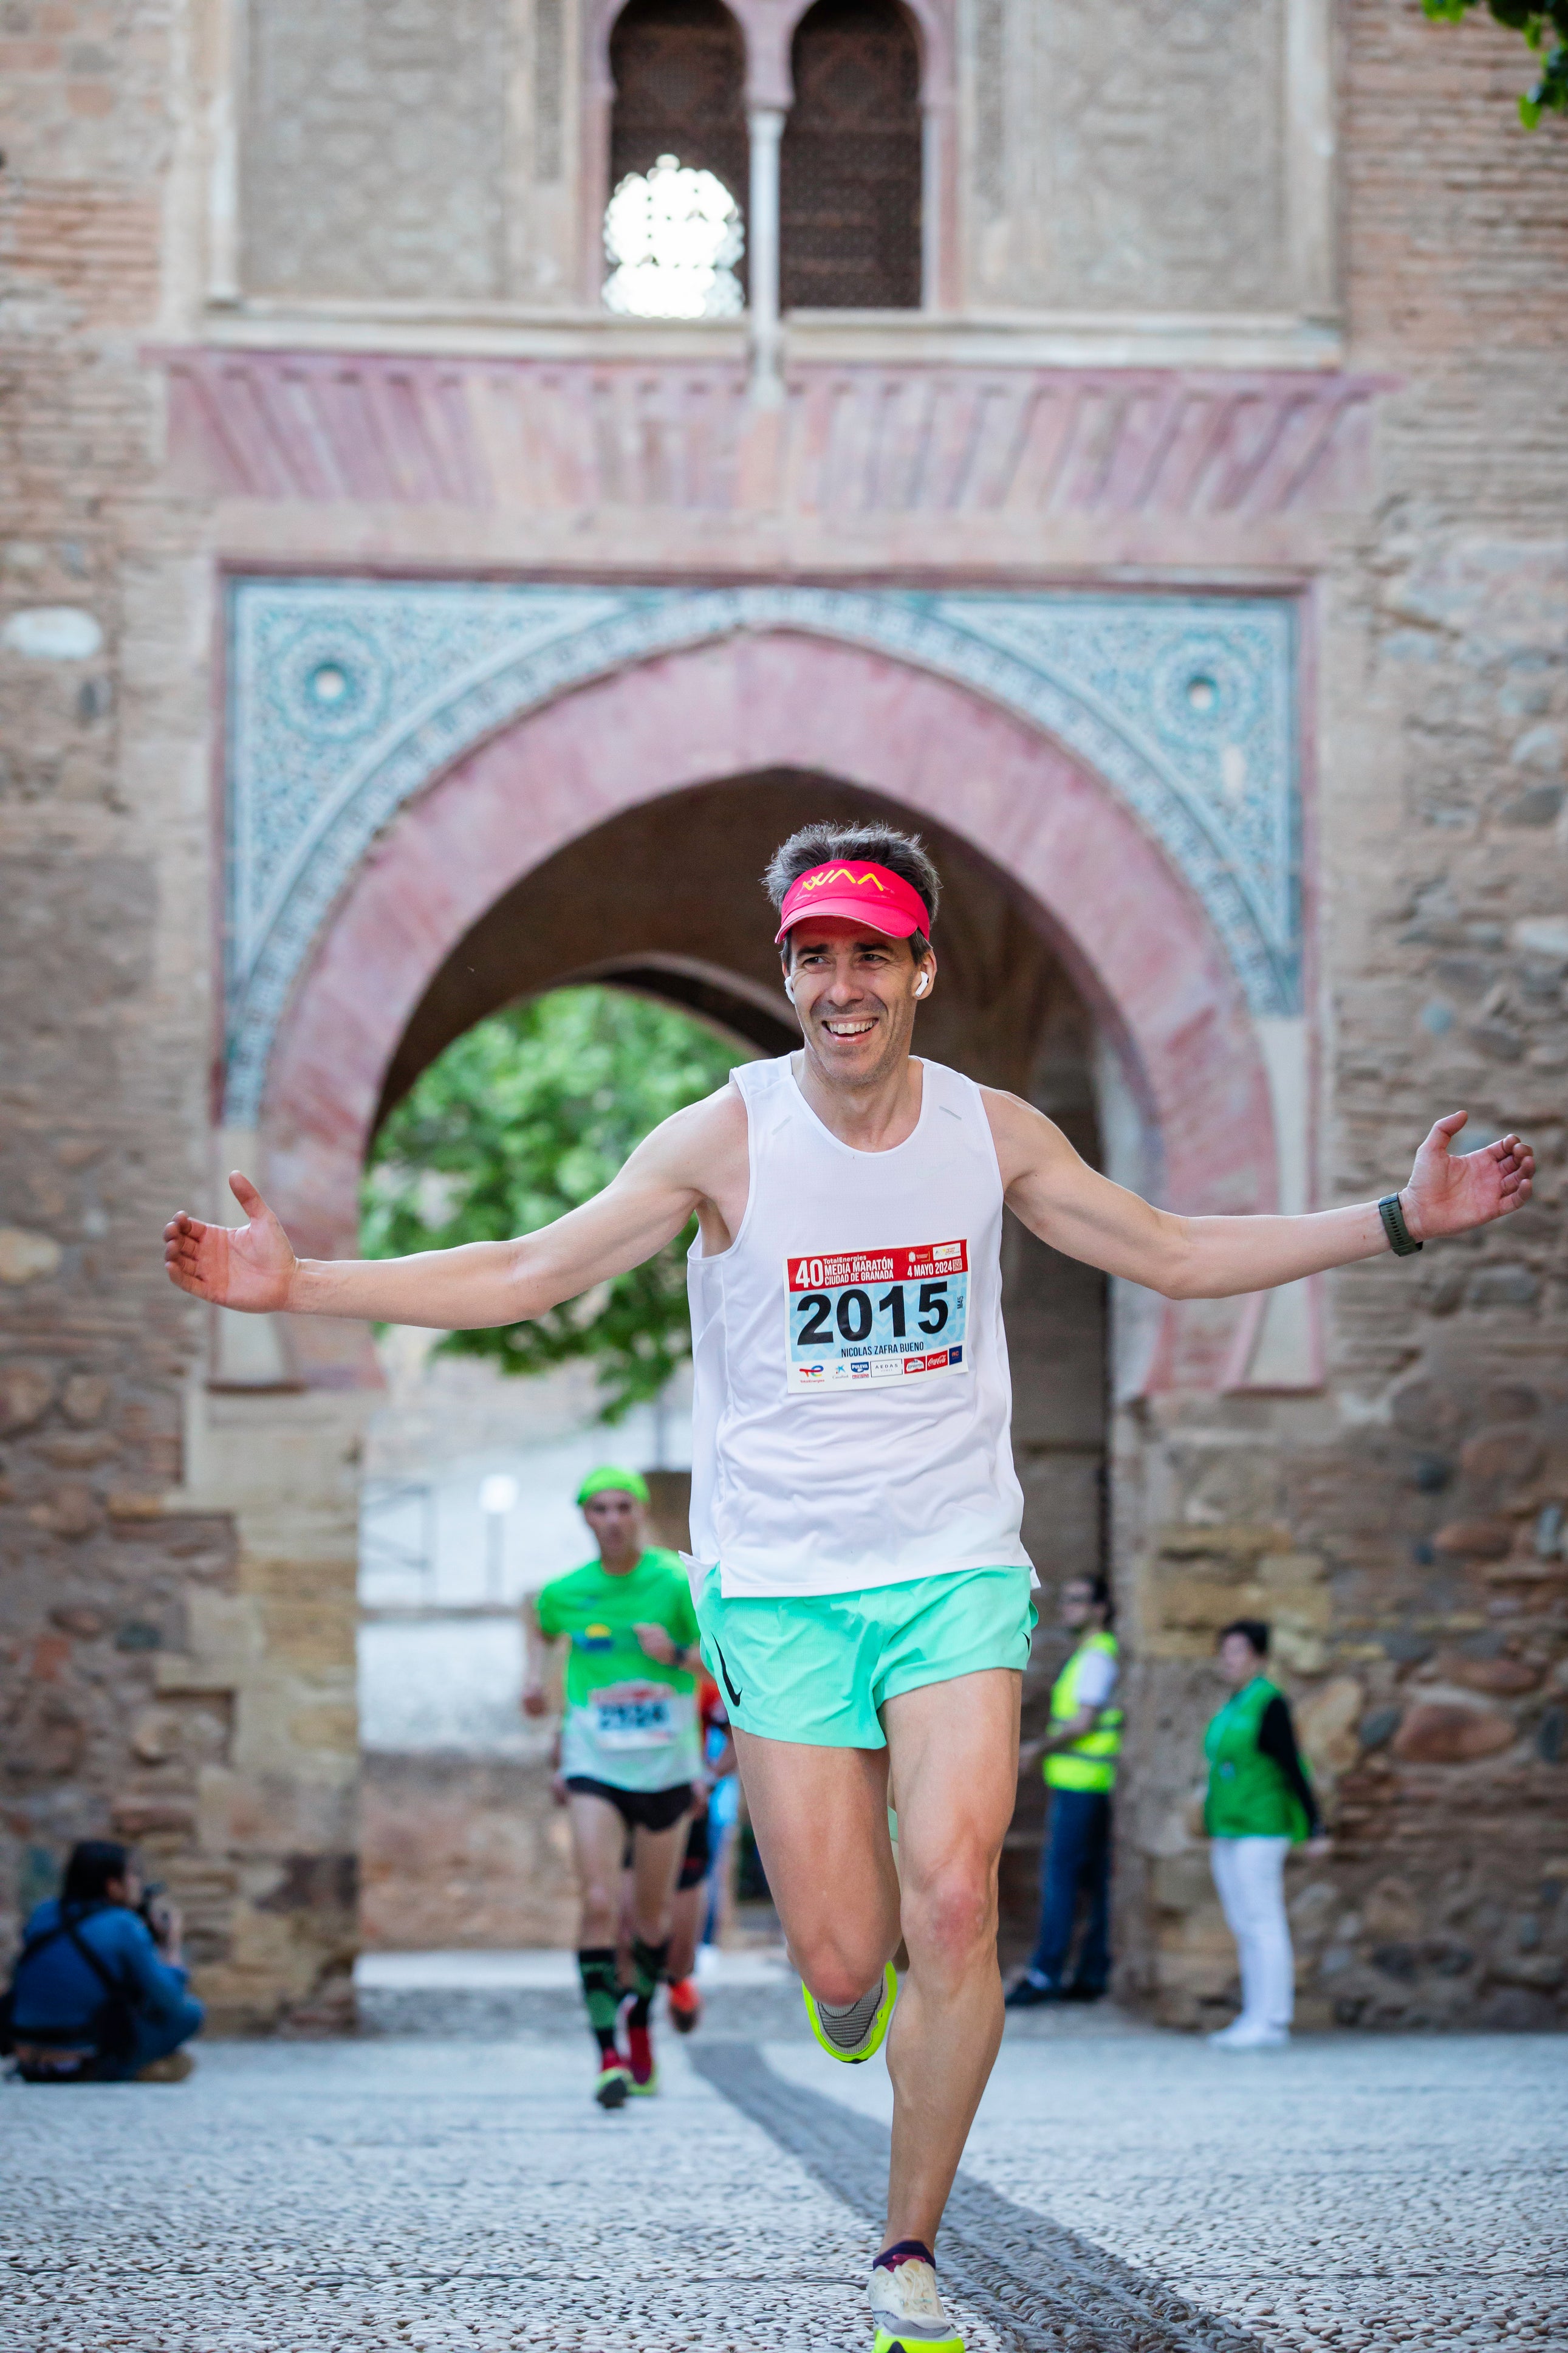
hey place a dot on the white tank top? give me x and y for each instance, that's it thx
(852, 1400)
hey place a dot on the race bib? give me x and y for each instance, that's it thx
(634, 1715)
(878, 1316)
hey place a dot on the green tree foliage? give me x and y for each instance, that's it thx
(1544, 25)
(531, 1112)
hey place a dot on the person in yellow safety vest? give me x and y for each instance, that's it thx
(1080, 1755)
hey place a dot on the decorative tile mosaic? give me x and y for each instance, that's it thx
(347, 697)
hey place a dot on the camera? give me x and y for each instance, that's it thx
(153, 1909)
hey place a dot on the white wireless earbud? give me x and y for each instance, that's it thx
(789, 990)
(922, 984)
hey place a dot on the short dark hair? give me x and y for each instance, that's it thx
(1100, 1593)
(93, 1864)
(1251, 1629)
(815, 845)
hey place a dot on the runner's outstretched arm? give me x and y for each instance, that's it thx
(1083, 1214)
(253, 1266)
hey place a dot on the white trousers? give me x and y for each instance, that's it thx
(1249, 1873)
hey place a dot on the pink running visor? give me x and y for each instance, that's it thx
(862, 893)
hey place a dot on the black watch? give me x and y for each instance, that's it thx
(1395, 1226)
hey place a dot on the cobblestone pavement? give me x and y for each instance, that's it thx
(1352, 2193)
(418, 2194)
(462, 2193)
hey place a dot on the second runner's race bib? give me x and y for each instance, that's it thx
(878, 1316)
(634, 1715)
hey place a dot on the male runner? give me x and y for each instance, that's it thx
(627, 1754)
(864, 1595)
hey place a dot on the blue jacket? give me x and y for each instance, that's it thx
(58, 1990)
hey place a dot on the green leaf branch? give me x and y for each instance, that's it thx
(527, 1114)
(1545, 30)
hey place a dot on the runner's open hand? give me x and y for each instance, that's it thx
(1450, 1192)
(656, 1643)
(249, 1267)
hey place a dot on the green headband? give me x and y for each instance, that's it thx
(599, 1482)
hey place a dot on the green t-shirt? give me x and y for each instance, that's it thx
(630, 1720)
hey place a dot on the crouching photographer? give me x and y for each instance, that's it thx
(98, 1991)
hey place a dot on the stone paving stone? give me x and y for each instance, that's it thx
(464, 2196)
(1345, 2195)
(437, 2197)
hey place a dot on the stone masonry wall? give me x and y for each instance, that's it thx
(160, 1679)
(1096, 184)
(375, 154)
(1404, 1531)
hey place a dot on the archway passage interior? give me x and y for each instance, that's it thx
(665, 899)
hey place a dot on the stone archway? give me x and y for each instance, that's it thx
(628, 902)
(404, 756)
(1127, 926)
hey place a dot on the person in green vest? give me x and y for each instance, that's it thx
(1259, 1804)
(1078, 1753)
(627, 1754)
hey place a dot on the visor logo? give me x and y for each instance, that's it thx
(839, 874)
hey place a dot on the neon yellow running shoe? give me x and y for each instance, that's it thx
(909, 2313)
(855, 2033)
(613, 2086)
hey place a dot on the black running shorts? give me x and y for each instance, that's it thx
(644, 1810)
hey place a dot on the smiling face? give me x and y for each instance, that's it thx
(856, 992)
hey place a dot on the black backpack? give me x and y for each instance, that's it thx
(111, 2031)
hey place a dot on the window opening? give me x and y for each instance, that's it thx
(849, 196)
(674, 224)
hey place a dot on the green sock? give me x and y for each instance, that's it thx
(647, 1961)
(601, 1993)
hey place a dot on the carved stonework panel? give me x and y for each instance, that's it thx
(373, 149)
(1129, 154)
(346, 698)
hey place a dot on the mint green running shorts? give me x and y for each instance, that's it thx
(818, 1668)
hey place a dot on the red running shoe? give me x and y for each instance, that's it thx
(640, 2061)
(685, 2005)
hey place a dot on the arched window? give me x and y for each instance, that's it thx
(674, 226)
(849, 192)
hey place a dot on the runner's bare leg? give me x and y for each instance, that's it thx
(598, 1844)
(657, 1857)
(820, 1816)
(954, 1750)
(821, 1819)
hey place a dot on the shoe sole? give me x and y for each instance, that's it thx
(877, 2033)
(886, 2342)
(645, 2091)
(613, 2095)
(684, 2021)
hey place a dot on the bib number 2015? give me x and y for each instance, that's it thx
(878, 1316)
